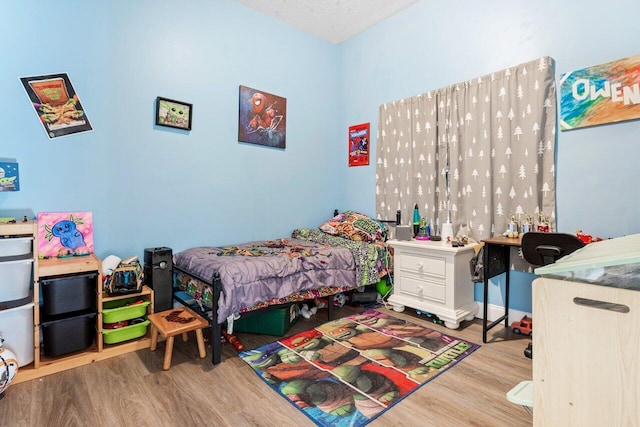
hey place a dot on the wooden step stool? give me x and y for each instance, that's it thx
(174, 322)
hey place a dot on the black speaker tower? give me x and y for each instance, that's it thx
(158, 275)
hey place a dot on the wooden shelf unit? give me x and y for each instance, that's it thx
(43, 366)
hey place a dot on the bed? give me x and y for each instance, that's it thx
(346, 252)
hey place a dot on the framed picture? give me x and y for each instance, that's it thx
(359, 145)
(65, 234)
(173, 114)
(262, 118)
(56, 104)
(9, 177)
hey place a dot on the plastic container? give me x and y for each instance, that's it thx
(16, 327)
(113, 336)
(15, 279)
(117, 311)
(13, 246)
(66, 335)
(66, 294)
(272, 322)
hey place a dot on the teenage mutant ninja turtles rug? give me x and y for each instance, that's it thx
(349, 371)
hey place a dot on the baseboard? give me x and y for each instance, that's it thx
(495, 311)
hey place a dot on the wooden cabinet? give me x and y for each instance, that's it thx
(434, 278)
(586, 344)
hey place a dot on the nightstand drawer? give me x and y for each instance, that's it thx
(422, 265)
(423, 288)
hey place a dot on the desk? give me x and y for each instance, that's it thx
(497, 260)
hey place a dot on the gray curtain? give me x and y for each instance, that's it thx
(496, 133)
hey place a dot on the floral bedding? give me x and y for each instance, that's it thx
(254, 275)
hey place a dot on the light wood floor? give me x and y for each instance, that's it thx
(133, 390)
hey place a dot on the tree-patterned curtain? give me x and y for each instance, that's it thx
(497, 135)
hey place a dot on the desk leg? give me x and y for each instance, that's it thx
(488, 273)
(507, 276)
(485, 300)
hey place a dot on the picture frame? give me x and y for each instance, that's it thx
(173, 114)
(359, 139)
(262, 118)
(65, 234)
(56, 104)
(9, 176)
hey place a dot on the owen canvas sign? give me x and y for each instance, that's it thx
(600, 94)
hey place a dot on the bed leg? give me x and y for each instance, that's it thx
(330, 307)
(216, 347)
(216, 331)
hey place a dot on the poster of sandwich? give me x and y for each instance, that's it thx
(56, 104)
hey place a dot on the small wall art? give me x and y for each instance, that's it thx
(9, 179)
(65, 234)
(600, 94)
(262, 118)
(173, 114)
(359, 145)
(56, 104)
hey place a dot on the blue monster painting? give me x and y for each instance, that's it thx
(67, 232)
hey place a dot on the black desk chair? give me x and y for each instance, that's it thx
(546, 248)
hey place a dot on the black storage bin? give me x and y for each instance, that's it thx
(68, 334)
(66, 294)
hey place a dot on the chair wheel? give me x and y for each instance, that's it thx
(528, 352)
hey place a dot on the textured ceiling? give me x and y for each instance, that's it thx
(332, 20)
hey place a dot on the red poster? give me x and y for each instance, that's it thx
(359, 145)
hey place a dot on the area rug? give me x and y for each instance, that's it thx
(349, 371)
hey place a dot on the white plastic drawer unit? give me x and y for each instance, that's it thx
(14, 246)
(15, 278)
(423, 265)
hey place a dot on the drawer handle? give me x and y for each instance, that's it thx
(619, 308)
(419, 265)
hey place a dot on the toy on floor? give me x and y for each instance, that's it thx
(339, 299)
(308, 309)
(432, 317)
(233, 340)
(8, 367)
(523, 326)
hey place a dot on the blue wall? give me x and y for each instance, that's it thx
(149, 186)
(153, 186)
(436, 43)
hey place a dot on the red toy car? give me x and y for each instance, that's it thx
(523, 326)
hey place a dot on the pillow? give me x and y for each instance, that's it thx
(331, 226)
(355, 226)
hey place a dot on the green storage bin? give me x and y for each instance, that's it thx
(113, 336)
(118, 310)
(273, 322)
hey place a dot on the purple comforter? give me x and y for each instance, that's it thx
(259, 271)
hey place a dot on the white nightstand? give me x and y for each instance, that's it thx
(435, 278)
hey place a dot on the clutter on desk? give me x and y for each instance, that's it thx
(586, 238)
(517, 227)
